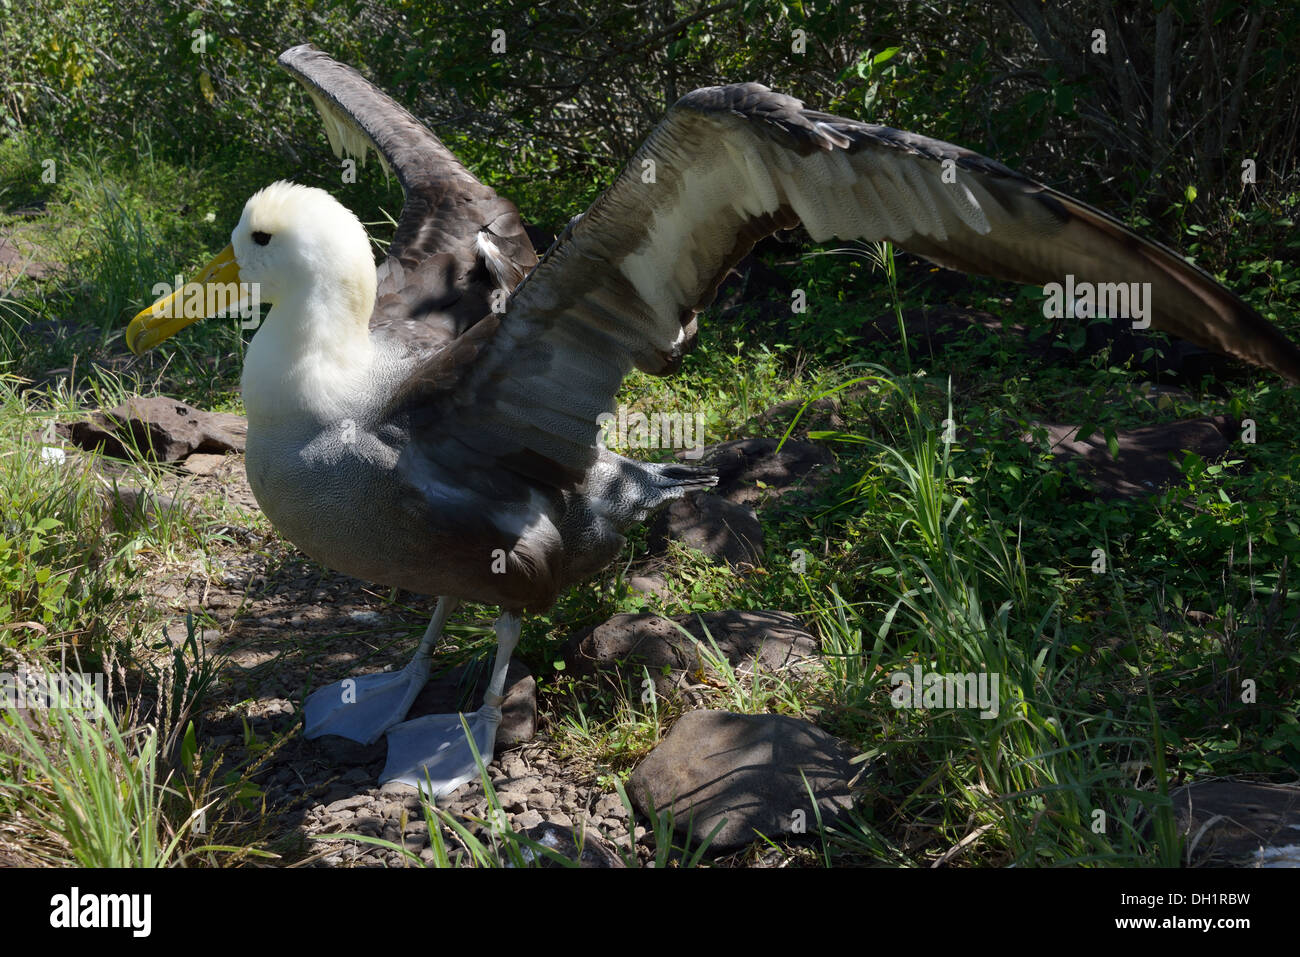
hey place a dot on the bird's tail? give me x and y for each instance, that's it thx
(675, 480)
(633, 490)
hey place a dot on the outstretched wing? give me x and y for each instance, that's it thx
(727, 166)
(456, 239)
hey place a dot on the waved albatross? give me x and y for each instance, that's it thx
(432, 425)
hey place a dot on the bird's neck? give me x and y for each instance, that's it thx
(311, 360)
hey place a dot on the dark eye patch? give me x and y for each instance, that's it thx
(261, 238)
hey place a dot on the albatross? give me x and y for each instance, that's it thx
(433, 423)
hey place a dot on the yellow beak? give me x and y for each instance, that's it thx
(215, 290)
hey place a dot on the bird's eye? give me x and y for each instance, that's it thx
(261, 238)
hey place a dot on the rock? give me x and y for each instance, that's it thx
(511, 800)
(527, 784)
(163, 429)
(611, 805)
(588, 850)
(1144, 462)
(722, 524)
(348, 804)
(743, 771)
(753, 281)
(821, 415)
(745, 463)
(1245, 824)
(19, 256)
(651, 584)
(128, 502)
(1173, 359)
(202, 463)
(513, 766)
(722, 530)
(526, 819)
(444, 695)
(775, 639)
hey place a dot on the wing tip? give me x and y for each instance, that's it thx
(288, 58)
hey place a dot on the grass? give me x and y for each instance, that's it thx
(942, 540)
(89, 793)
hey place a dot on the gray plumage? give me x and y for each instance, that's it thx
(479, 435)
(414, 427)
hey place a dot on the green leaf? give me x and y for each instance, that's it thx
(189, 746)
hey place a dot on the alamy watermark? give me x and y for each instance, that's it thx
(655, 430)
(50, 691)
(199, 300)
(1111, 300)
(933, 689)
(75, 910)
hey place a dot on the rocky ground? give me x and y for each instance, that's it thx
(281, 625)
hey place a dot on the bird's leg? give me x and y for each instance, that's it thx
(433, 752)
(421, 661)
(507, 628)
(363, 708)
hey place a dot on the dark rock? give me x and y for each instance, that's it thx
(527, 819)
(722, 530)
(1144, 462)
(821, 415)
(774, 640)
(159, 428)
(130, 505)
(750, 471)
(753, 281)
(932, 330)
(1244, 823)
(588, 849)
(1172, 360)
(744, 771)
(743, 463)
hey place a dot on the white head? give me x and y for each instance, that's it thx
(310, 259)
(301, 245)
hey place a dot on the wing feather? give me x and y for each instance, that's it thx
(731, 164)
(456, 239)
